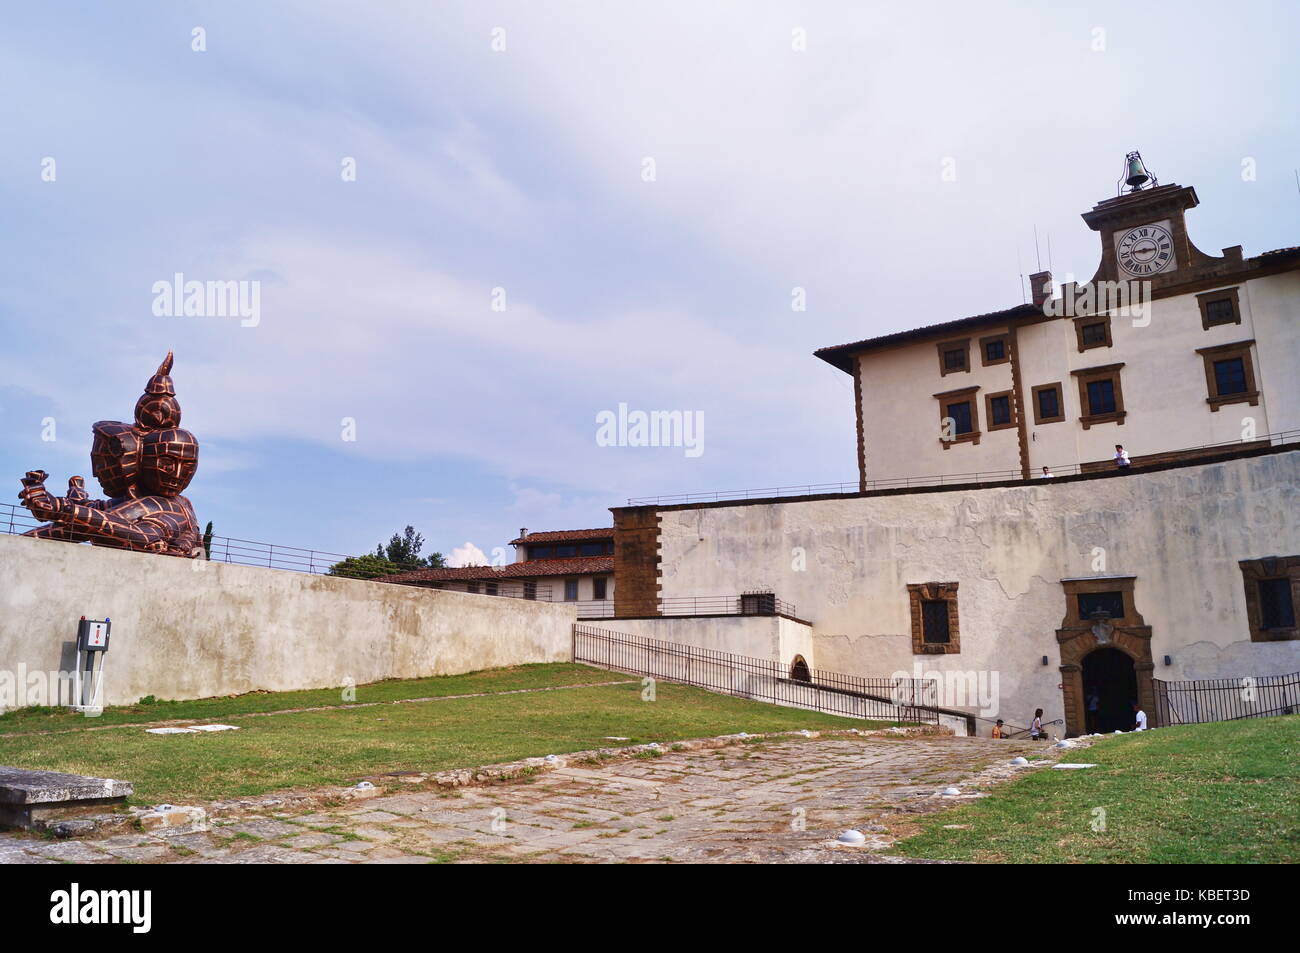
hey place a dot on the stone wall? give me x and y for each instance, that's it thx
(846, 563)
(194, 629)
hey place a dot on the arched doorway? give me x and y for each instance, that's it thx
(1109, 689)
(799, 670)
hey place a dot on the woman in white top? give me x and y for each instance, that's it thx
(1036, 726)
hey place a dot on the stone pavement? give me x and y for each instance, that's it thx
(771, 801)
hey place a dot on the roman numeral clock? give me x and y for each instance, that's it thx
(1146, 250)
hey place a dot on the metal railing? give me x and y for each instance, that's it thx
(1197, 701)
(950, 479)
(225, 549)
(834, 693)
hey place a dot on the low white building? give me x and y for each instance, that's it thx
(572, 565)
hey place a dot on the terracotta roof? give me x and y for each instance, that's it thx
(533, 569)
(838, 356)
(565, 535)
(1291, 250)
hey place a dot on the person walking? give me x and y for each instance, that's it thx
(997, 729)
(1036, 726)
(1139, 718)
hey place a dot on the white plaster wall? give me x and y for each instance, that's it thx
(1180, 531)
(189, 629)
(771, 638)
(1163, 383)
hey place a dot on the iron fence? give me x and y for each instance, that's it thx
(225, 549)
(1226, 699)
(834, 693)
(949, 479)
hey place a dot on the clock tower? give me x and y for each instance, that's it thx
(1144, 238)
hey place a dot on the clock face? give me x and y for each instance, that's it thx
(1146, 250)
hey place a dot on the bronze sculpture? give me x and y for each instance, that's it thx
(143, 468)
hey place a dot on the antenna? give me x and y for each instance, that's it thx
(1049, 251)
(1036, 253)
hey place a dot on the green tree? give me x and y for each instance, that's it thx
(402, 554)
(366, 567)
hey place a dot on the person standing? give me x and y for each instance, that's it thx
(1094, 706)
(997, 729)
(1046, 474)
(1121, 457)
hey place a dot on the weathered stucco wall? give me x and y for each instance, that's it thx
(773, 638)
(846, 564)
(191, 629)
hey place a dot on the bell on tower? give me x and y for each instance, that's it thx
(1136, 174)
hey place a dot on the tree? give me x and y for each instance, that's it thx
(366, 567)
(402, 554)
(207, 541)
(404, 550)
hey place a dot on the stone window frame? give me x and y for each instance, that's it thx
(1221, 352)
(1060, 403)
(988, 409)
(920, 592)
(576, 591)
(1087, 320)
(1086, 376)
(954, 396)
(1253, 571)
(1005, 338)
(944, 347)
(1206, 298)
(599, 587)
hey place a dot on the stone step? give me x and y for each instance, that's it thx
(31, 799)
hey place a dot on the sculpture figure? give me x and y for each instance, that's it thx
(143, 468)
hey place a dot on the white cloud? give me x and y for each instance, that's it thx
(467, 555)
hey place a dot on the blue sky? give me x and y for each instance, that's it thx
(522, 169)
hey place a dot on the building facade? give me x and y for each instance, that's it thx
(573, 565)
(1167, 351)
(1082, 594)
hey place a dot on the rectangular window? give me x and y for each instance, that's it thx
(541, 552)
(961, 414)
(598, 588)
(1111, 603)
(570, 590)
(591, 549)
(954, 356)
(1230, 376)
(1000, 410)
(1219, 308)
(1094, 335)
(954, 360)
(490, 588)
(994, 349)
(1049, 403)
(471, 587)
(1101, 397)
(1276, 610)
(566, 552)
(530, 590)
(934, 620)
(1220, 312)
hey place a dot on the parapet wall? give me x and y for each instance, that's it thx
(193, 629)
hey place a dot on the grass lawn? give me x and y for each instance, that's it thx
(490, 680)
(316, 748)
(1194, 794)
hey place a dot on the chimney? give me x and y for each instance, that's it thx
(523, 531)
(1040, 287)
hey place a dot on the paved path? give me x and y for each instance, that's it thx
(782, 801)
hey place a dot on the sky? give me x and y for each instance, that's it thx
(476, 227)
